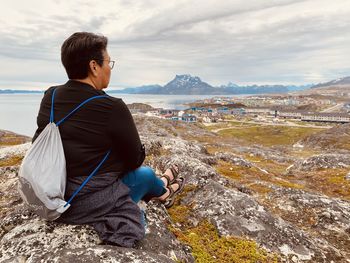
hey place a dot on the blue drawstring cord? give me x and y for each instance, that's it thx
(87, 179)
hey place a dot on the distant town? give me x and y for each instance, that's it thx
(305, 108)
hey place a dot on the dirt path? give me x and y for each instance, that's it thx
(289, 124)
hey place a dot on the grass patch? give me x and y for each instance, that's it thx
(304, 153)
(238, 172)
(208, 246)
(227, 124)
(259, 188)
(212, 149)
(246, 175)
(269, 135)
(271, 166)
(331, 182)
(13, 160)
(338, 183)
(287, 184)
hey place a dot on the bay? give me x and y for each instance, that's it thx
(18, 111)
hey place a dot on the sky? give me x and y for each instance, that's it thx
(243, 42)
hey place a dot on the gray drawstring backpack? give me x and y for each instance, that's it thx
(42, 174)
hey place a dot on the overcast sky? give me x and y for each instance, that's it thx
(221, 41)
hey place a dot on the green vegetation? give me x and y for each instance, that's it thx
(206, 243)
(246, 175)
(230, 170)
(337, 182)
(224, 125)
(269, 135)
(208, 246)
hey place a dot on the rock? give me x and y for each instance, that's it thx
(234, 159)
(329, 139)
(10, 151)
(8, 138)
(320, 216)
(235, 213)
(276, 154)
(27, 236)
(321, 161)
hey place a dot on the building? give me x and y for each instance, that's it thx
(210, 119)
(189, 118)
(168, 112)
(290, 114)
(237, 111)
(257, 110)
(326, 117)
(223, 110)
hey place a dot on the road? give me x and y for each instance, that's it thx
(334, 108)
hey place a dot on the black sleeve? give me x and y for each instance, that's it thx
(125, 137)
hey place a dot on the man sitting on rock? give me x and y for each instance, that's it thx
(109, 200)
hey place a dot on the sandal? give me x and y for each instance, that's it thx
(174, 171)
(169, 201)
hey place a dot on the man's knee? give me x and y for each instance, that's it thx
(147, 173)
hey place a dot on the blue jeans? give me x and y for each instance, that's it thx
(143, 184)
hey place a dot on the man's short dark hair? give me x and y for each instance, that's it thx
(78, 50)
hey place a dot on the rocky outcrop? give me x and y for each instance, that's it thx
(233, 159)
(325, 219)
(8, 138)
(277, 154)
(278, 221)
(321, 161)
(25, 236)
(336, 138)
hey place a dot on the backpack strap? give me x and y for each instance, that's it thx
(62, 120)
(52, 100)
(73, 111)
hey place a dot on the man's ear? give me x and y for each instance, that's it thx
(93, 67)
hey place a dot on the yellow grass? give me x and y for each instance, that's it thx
(269, 135)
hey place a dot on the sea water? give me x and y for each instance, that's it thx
(18, 112)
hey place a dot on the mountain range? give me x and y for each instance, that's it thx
(192, 85)
(340, 81)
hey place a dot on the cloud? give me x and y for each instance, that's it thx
(220, 41)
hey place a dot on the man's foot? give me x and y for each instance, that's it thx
(170, 175)
(169, 190)
(173, 190)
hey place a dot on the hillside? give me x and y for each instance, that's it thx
(252, 195)
(337, 137)
(336, 82)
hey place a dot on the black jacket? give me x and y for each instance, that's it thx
(100, 125)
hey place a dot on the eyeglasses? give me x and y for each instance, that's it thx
(110, 62)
